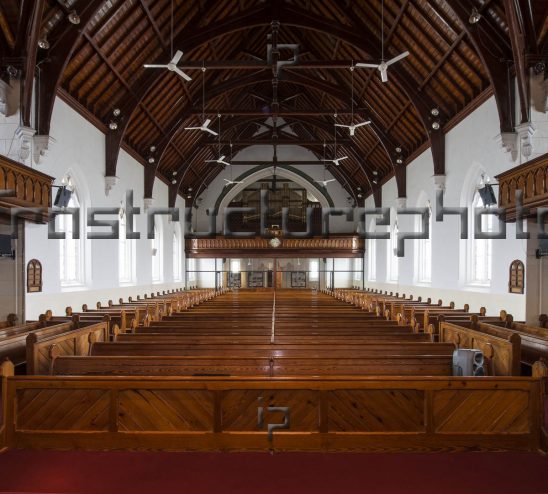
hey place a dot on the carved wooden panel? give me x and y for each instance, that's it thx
(376, 410)
(165, 410)
(467, 411)
(62, 409)
(239, 408)
(516, 283)
(531, 178)
(30, 187)
(34, 276)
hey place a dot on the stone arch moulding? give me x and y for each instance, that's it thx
(263, 171)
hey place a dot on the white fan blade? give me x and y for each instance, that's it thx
(343, 158)
(332, 180)
(205, 129)
(342, 125)
(177, 57)
(367, 65)
(221, 162)
(182, 74)
(398, 58)
(210, 161)
(361, 124)
(154, 66)
(222, 158)
(193, 128)
(384, 75)
(207, 122)
(229, 181)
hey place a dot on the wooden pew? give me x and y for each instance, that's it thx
(409, 365)
(502, 351)
(43, 347)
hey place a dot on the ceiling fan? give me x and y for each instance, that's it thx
(338, 160)
(172, 65)
(221, 159)
(352, 127)
(325, 182)
(383, 66)
(204, 127)
(205, 122)
(231, 182)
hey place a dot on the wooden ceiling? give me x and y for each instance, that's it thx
(98, 66)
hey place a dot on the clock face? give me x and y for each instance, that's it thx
(275, 242)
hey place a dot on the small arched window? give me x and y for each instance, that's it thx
(176, 244)
(424, 250)
(71, 249)
(392, 256)
(516, 282)
(34, 276)
(126, 254)
(481, 250)
(157, 260)
(372, 254)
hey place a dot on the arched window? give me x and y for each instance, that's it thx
(424, 250)
(157, 257)
(480, 252)
(358, 267)
(176, 242)
(314, 270)
(71, 249)
(372, 255)
(392, 257)
(191, 269)
(126, 255)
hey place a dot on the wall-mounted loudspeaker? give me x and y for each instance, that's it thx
(487, 195)
(468, 362)
(62, 197)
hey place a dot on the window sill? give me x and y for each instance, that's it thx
(127, 283)
(77, 287)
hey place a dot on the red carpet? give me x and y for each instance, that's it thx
(260, 473)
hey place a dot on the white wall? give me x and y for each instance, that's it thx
(470, 147)
(80, 149)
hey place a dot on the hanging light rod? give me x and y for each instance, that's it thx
(279, 142)
(268, 111)
(260, 65)
(278, 163)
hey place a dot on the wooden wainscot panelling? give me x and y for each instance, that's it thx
(29, 188)
(328, 414)
(532, 179)
(339, 246)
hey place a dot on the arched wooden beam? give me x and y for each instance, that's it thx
(497, 69)
(63, 42)
(263, 17)
(237, 83)
(25, 49)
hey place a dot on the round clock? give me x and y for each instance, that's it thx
(275, 242)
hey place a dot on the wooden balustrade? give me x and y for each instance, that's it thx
(532, 179)
(31, 188)
(344, 246)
